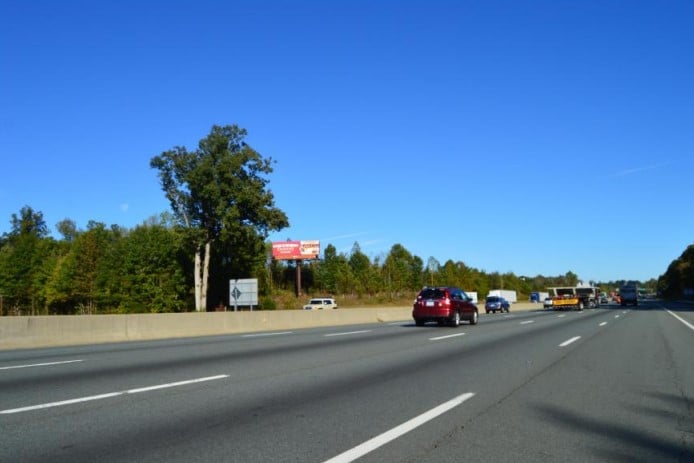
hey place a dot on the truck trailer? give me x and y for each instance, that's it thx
(629, 294)
(507, 294)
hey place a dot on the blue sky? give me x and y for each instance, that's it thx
(534, 137)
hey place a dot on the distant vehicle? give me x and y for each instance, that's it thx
(603, 299)
(538, 296)
(444, 305)
(508, 294)
(321, 303)
(496, 303)
(590, 295)
(565, 298)
(629, 294)
(548, 303)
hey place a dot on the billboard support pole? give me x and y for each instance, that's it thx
(298, 278)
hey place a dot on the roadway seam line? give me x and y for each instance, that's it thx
(40, 364)
(388, 436)
(687, 324)
(109, 395)
(448, 336)
(346, 333)
(569, 341)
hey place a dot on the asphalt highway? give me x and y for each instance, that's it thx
(610, 384)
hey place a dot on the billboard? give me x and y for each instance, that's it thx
(295, 250)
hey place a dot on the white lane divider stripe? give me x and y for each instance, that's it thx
(687, 324)
(388, 436)
(108, 395)
(438, 338)
(569, 341)
(527, 321)
(346, 333)
(260, 335)
(603, 323)
(40, 364)
(176, 384)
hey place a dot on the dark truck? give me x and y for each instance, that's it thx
(629, 294)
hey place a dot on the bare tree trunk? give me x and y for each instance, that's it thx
(198, 280)
(205, 274)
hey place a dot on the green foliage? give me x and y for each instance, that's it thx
(26, 258)
(151, 272)
(678, 280)
(219, 196)
(149, 269)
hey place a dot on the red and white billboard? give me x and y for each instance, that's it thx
(295, 250)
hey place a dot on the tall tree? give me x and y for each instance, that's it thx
(218, 192)
(400, 269)
(22, 261)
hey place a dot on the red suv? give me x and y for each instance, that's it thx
(445, 305)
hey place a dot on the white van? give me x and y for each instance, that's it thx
(321, 303)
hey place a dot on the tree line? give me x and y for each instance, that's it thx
(217, 229)
(149, 268)
(678, 279)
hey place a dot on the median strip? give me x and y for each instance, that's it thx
(388, 436)
(109, 395)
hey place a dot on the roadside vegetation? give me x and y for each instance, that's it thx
(149, 268)
(217, 229)
(678, 279)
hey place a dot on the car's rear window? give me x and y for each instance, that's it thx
(493, 299)
(432, 293)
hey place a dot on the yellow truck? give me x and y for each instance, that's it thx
(574, 297)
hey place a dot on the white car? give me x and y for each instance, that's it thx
(548, 303)
(321, 303)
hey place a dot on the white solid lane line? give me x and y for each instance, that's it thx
(108, 395)
(686, 323)
(438, 338)
(569, 341)
(388, 436)
(346, 333)
(40, 364)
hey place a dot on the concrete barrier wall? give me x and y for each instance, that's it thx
(66, 330)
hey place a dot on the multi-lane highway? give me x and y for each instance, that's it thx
(611, 384)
